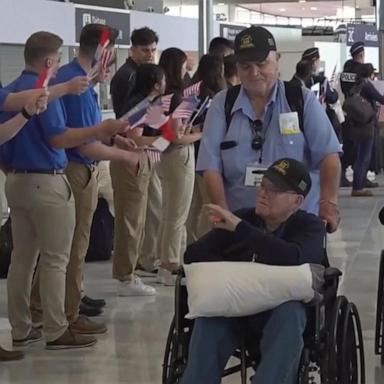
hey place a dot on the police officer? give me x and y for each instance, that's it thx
(328, 95)
(347, 81)
(262, 130)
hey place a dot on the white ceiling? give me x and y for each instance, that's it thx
(292, 8)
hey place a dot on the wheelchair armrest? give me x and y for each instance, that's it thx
(332, 274)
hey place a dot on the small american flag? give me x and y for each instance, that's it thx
(333, 76)
(155, 117)
(186, 108)
(136, 115)
(153, 154)
(192, 90)
(44, 78)
(166, 102)
(103, 43)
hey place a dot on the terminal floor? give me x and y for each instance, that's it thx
(132, 350)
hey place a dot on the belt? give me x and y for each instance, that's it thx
(39, 171)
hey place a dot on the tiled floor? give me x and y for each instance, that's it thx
(132, 350)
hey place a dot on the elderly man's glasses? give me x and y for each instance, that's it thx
(271, 191)
(257, 139)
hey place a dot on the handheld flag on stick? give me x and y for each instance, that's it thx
(186, 108)
(102, 54)
(192, 90)
(44, 78)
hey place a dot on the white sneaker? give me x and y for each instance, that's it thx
(135, 287)
(166, 277)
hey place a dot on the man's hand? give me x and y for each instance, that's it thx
(110, 127)
(329, 212)
(78, 85)
(127, 144)
(38, 104)
(221, 218)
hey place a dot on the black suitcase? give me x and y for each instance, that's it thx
(101, 238)
(6, 246)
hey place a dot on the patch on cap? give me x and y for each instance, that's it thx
(282, 167)
(246, 42)
(302, 185)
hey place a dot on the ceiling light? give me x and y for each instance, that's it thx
(303, 9)
(282, 10)
(313, 8)
(302, 1)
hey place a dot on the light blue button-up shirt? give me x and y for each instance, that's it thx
(310, 146)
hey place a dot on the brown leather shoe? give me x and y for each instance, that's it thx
(71, 340)
(361, 193)
(84, 326)
(34, 336)
(10, 355)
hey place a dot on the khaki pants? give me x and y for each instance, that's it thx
(198, 223)
(84, 183)
(43, 221)
(130, 194)
(149, 250)
(177, 175)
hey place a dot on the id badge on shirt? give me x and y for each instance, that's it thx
(254, 174)
(289, 123)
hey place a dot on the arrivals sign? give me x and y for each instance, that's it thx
(368, 34)
(118, 20)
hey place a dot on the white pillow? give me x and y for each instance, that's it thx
(232, 289)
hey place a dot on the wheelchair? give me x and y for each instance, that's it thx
(333, 350)
(379, 335)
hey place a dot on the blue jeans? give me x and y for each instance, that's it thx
(363, 150)
(280, 332)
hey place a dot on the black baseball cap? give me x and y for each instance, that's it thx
(356, 48)
(254, 44)
(289, 175)
(311, 54)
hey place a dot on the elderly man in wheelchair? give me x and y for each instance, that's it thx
(276, 233)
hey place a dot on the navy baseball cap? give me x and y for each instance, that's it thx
(289, 175)
(254, 44)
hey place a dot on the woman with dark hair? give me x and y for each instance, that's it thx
(176, 171)
(363, 134)
(130, 211)
(230, 71)
(211, 74)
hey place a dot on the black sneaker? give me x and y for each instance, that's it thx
(98, 303)
(344, 182)
(89, 311)
(370, 184)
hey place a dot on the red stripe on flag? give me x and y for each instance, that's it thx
(167, 131)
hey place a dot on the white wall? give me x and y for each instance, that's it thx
(180, 32)
(20, 18)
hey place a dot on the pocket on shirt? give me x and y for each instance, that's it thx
(292, 146)
(232, 170)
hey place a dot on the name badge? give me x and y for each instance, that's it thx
(253, 175)
(289, 123)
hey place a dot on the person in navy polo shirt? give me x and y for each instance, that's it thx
(83, 171)
(42, 204)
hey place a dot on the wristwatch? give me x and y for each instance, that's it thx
(25, 114)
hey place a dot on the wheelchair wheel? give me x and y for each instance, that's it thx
(335, 339)
(353, 365)
(379, 336)
(171, 364)
(175, 354)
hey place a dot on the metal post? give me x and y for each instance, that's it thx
(205, 25)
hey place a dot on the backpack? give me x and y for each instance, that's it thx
(293, 94)
(101, 237)
(6, 247)
(358, 109)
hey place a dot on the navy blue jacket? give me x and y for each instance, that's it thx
(298, 241)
